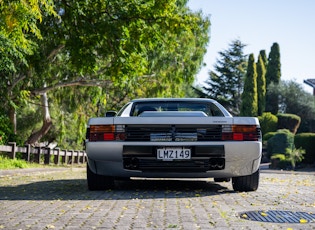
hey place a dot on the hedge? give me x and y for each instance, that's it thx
(306, 141)
(280, 141)
(268, 122)
(288, 121)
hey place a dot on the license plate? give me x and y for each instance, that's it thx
(169, 154)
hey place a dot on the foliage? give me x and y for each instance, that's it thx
(295, 156)
(289, 159)
(249, 105)
(281, 141)
(6, 163)
(225, 82)
(99, 54)
(263, 55)
(18, 163)
(268, 122)
(268, 135)
(279, 161)
(261, 82)
(288, 121)
(18, 23)
(6, 131)
(293, 99)
(306, 141)
(272, 99)
(274, 65)
(273, 75)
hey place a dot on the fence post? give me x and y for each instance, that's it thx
(13, 152)
(57, 157)
(37, 157)
(72, 154)
(77, 157)
(28, 153)
(47, 156)
(64, 157)
(80, 155)
(83, 157)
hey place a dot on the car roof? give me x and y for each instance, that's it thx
(174, 100)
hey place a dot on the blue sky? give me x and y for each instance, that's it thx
(290, 23)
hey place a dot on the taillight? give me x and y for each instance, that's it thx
(240, 133)
(106, 133)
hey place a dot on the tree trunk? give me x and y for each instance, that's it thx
(47, 123)
(12, 116)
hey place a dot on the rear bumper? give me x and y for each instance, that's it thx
(109, 159)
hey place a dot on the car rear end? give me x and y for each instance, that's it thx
(186, 147)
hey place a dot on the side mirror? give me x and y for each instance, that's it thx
(110, 114)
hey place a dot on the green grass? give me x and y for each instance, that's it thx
(6, 163)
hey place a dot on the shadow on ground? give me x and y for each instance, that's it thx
(134, 189)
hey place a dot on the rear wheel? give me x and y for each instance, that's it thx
(246, 183)
(98, 182)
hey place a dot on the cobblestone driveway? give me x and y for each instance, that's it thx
(60, 200)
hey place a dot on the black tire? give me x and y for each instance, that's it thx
(218, 180)
(246, 183)
(98, 182)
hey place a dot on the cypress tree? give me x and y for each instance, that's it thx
(261, 84)
(273, 76)
(264, 58)
(249, 106)
(274, 66)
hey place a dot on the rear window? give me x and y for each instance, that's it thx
(209, 109)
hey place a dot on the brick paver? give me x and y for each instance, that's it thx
(60, 200)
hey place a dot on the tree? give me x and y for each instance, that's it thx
(261, 84)
(18, 23)
(100, 53)
(249, 106)
(264, 58)
(225, 83)
(293, 99)
(274, 65)
(273, 75)
(18, 26)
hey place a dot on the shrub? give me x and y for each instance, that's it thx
(269, 135)
(268, 122)
(288, 121)
(306, 141)
(279, 161)
(282, 140)
(295, 155)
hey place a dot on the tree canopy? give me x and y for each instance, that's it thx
(249, 105)
(225, 82)
(274, 65)
(261, 82)
(91, 55)
(18, 23)
(294, 100)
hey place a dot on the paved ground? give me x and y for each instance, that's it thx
(59, 199)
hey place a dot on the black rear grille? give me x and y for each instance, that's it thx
(193, 165)
(173, 132)
(175, 166)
